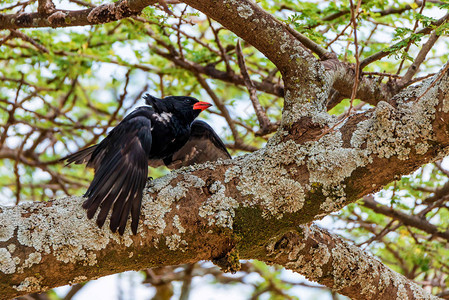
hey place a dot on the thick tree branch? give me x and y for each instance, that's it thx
(57, 240)
(344, 268)
(45, 7)
(66, 18)
(305, 91)
(236, 208)
(244, 18)
(370, 90)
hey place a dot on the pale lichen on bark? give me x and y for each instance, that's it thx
(156, 208)
(7, 264)
(270, 185)
(300, 180)
(340, 266)
(30, 284)
(177, 224)
(218, 209)
(62, 230)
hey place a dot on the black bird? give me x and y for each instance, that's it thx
(163, 133)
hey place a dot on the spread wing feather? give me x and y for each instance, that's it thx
(203, 145)
(121, 170)
(84, 156)
(119, 181)
(121, 167)
(80, 157)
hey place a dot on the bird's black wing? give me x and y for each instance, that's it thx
(203, 145)
(121, 171)
(82, 157)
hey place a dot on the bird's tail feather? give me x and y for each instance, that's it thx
(117, 192)
(119, 205)
(100, 187)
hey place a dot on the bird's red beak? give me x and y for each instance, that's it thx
(201, 105)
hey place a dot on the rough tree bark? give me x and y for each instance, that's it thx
(254, 206)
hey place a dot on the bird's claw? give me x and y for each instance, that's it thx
(149, 183)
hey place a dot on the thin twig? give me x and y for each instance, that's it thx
(386, 52)
(338, 35)
(24, 3)
(6, 38)
(381, 74)
(381, 13)
(73, 291)
(83, 3)
(16, 167)
(181, 52)
(161, 85)
(221, 107)
(410, 41)
(356, 46)
(19, 34)
(264, 122)
(322, 53)
(187, 282)
(374, 30)
(224, 55)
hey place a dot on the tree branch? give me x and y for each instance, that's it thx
(388, 11)
(231, 209)
(45, 7)
(406, 219)
(419, 58)
(388, 51)
(57, 240)
(264, 122)
(17, 33)
(66, 18)
(276, 42)
(342, 267)
(213, 72)
(283, 46)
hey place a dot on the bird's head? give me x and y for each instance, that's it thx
(184, 107)
(157, 104)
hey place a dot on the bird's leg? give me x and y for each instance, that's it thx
(149, 182)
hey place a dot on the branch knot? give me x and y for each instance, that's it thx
(57, 18)
(110, 12)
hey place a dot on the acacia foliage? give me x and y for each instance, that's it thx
(63, 89)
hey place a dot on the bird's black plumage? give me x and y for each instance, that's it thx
(203, 145)
(163, 133)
